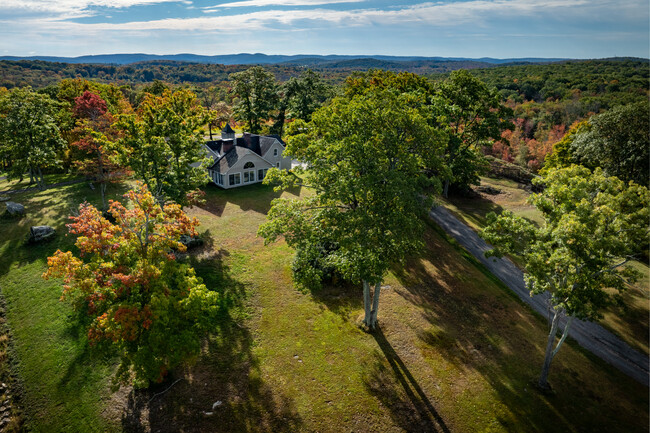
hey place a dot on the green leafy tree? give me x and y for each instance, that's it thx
(163, 144)
(618, 141)
(365, 157)
(137, 299)
(257, 96)
(593, 225)
(29, 133)
(474, 117)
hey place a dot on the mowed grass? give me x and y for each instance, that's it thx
(630, 320)
(455, 352)
(65, 387)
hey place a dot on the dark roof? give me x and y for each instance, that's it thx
(227, 129)
(277, 137)
(243, 145)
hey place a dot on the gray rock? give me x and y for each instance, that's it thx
(488, 190)
(38, 234)
(15, 209)
(4, 198)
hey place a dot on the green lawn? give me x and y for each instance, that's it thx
(456, 351)
(631, 320)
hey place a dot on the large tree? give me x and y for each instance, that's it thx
(163, 144)
(96, 154)
(593, 225)
(618, 141)
(29, 133)
(365, 157)
(138, 300)
(257, 96)
(473, 116)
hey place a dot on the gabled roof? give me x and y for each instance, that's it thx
(250, 143)
(227, 129)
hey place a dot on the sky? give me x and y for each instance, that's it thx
(447, 28)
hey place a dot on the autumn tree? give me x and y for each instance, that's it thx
(473, 117)
(257, 96)
(162, 143)
(364, 156)
(593, 225)
(140, 301)
(95, 144)
(29, 133)
(218, 110)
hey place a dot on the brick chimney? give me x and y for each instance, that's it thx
(226, 145)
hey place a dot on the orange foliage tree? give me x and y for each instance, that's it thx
(140, 301)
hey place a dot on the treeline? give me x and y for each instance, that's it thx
(548, 100)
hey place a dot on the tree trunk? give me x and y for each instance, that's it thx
(445, 189)
(375, 306)
(41, 180)
(366, 303)
(210, 129)
(550, 352)
(102, 189)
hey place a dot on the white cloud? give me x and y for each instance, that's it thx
(66, 9)
(264, 3)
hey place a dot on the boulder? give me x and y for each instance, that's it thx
(191, 241)
(15, 209)
(488, 190)
(38, 234)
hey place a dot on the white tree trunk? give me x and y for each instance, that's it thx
(550, 352)
(375, 306)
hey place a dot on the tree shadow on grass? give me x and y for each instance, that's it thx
(483, 330)
(398, 390)
(222, 390)
(256, 197)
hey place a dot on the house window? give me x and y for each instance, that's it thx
(235, 179)
(219, 178)
(249, 165)
(249, 176)
(261, 173)
(277, 164)
(275, 152)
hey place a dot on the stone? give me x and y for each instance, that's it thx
(191, 241)
(15, 209)
(217, 404)
(38, 234)
(488, 190)
(4, 198)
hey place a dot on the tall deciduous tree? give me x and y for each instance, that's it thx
(163, 144)
(474, 117)
(593, 225)
(140, 302)
(98, 155)
(29, 133)
(618, 141)
(365, 158)
(257, 96)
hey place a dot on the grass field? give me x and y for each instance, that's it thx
(630, 320)
(456, 351)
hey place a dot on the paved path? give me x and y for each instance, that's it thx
(589, 335)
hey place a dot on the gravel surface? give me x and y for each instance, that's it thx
(589, 335)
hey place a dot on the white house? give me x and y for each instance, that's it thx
(244, 160)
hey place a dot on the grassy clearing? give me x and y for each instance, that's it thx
(631, 320)
(456, 352)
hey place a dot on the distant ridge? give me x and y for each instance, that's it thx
(261, 59)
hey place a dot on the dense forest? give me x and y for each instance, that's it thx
(547, 99)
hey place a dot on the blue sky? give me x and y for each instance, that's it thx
(449, 28)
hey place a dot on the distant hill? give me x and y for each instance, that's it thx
(263, 59)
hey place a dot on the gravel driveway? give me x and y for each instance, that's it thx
(589, 335)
